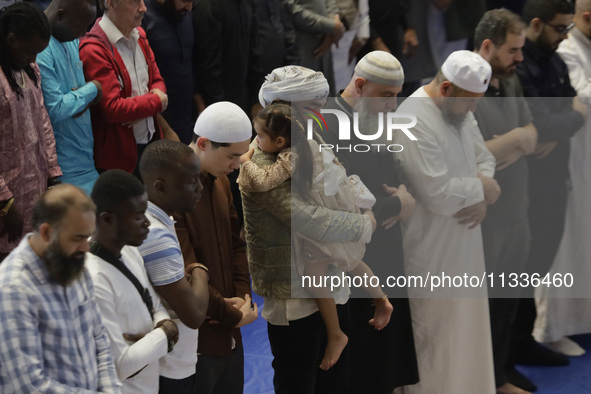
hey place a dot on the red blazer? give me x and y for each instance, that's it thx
(114, 143)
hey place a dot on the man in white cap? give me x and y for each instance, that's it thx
(450, 174)
(373, 89)
(211, 233)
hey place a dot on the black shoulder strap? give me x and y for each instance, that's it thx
(100, 251)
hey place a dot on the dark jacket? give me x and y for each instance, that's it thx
(211, 234)
(544, 78)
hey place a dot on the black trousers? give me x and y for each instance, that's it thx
(220, 375)
(506, 249)
(176, 386)
(547, 213)
(381, 360)
(297, 352)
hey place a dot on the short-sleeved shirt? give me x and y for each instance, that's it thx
(500, 111)
(165, 265)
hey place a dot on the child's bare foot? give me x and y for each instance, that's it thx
(381, 317)
(334, 347)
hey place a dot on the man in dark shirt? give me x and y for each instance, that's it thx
(506, 125)
(169, 28)
(377, 80)
(557, 115)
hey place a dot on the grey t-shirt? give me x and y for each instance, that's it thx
(498, 112)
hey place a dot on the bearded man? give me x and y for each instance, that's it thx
(51, 332)
(449, 172)
(544, 75)
(371, 93)
(506, 124)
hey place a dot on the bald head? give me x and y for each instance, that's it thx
(70, 19)
(53, 205)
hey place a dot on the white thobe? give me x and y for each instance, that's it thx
(452, 335)
(124, 312)
(559, 314)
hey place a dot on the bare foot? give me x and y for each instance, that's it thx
(508, 388)
(381, 316)
(334, 347)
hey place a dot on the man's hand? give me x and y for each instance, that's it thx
(511, 158)
(543, 149)
(372, 219)
(411, 43)
(323, 48)
(492, 190)
(248, 315)
(338, 31)
(580, 107)
(12, 224)
(133, 337)
(99, 94)
(162, 96)
(356, 46)
(473, 214)
(170, 329)
(236, 302)
(407, 204)
(247, 156)
(527, 138)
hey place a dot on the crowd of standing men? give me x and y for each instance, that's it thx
(128, 251)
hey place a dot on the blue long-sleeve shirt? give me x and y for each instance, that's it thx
(61, 73)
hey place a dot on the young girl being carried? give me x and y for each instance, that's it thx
(321, 181)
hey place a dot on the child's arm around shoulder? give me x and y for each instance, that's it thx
(257, 179)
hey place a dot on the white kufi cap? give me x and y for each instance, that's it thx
(467, 70)
(380, 67)
(223, 122)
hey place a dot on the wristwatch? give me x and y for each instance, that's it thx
(4, 211)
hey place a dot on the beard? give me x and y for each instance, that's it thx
(456, 120)
(502, 72)
(62, 269)
(369, 123)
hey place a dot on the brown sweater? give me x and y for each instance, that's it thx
(210, 234)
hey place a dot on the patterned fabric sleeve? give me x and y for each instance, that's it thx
(257, 179)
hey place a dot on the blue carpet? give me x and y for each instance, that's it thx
(258, 372)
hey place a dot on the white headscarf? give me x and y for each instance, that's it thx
(293, 83)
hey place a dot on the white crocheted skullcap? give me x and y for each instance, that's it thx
(380, 67)
(223, 122)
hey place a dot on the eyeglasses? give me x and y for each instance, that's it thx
(561, 29)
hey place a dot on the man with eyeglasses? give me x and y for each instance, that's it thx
(557, 115)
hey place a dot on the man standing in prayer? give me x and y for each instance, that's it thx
(52, 335)
(506, 124)
(28, 160)
(116, 53)
(450, 174)
(211, 233)
(372, 93)
(557, 114)
(67, 95)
